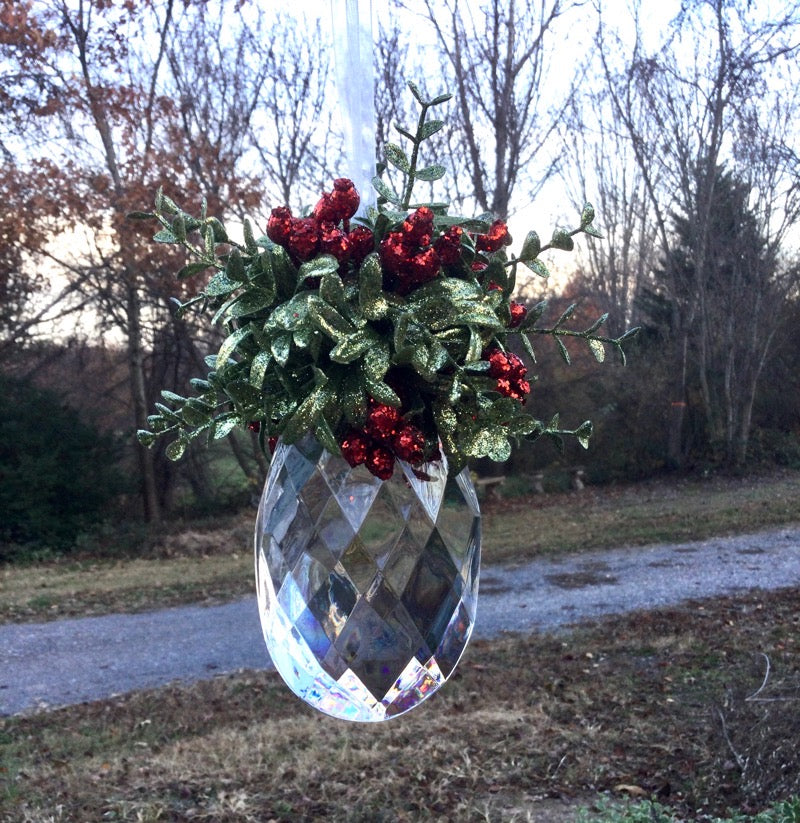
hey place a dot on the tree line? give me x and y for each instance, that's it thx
(684, 139)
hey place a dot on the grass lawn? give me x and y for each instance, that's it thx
(694, 709)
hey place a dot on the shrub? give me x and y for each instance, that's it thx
(58, 474)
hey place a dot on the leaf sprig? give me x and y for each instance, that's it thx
(313, 344)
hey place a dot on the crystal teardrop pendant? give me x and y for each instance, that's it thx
(367, 588)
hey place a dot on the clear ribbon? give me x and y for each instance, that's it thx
(355, 80)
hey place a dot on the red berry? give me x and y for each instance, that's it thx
(325, 211)
(380, 462)
(518, 312)
(382, 421)
(355, 448)
(345, 198)
(494, 239)
(362, 243)
(448, 246)
(279, 225)
(417, 227)
(334, 241)
(303, 240)
(409, 444)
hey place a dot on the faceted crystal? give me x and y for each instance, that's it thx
(366, 588)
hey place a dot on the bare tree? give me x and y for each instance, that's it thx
(683, 106)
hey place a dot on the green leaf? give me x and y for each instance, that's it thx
(249, 238)
(598, 350)
(592, 232)
(140, 215)
(371, 299)
(229, 346)
(563, 351)
(530, 248)
(381, 392)
(431, 173)
(281, 348)
(491, 443)
(584, 433)
(196, 413)
(176, 449)
(376, 361)
(587, 215)
(328, 320)
(562, 240)
(397, 157)
(537, 267)
(429, 128)
(318, 266)
(331, 291)
(250, 302)
(165, 236)
(171, 397)
(258, 368)
(179, 228)
(416, 92)
(442, 98)
(385, 191)
(145, 437)
(220, 285)
(350, 348)
(191, 269)
(223, 425)
(234, 268)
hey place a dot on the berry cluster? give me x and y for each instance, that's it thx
(385, 436)
(326, 231)
(509, 371)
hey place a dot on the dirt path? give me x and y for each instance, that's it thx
(71, 661)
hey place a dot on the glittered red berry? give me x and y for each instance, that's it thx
(325, 211)
(478, 266)
(518, 370)
(345, 198)
(494, 239)
(417, 227)
(499, 365)
(409, 444)
(355, 448)
(303, 240)
(393, 253)
(493, 286)
(380, 461)
(362, 243)
(382, 421)
(424, 266)
(524, 388)
(279, 225)
(272, 442)
(518, 312)
(448, 246)
(334, 241)
(254, 426)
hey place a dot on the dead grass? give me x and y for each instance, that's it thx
(630, 707)
(216, 565)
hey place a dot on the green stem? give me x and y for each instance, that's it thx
(414, 156)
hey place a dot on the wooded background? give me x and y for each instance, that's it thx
(684, 137)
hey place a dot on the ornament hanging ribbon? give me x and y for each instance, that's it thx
(355, 81)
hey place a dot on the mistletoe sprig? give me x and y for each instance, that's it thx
(385, 335)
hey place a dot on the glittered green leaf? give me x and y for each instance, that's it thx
(229, 346)
(598, 350)
(562, 240)
(584, 433)
(281, 348)
(176, 449)
(318, 266)
(258, 368)
(380, 391)
(165, 236)
(331, 291)
(530, 248)
(243, 393)
(220, 285)
(223, 426)
(385, 191)
(353, 397)
(283, 270)
(446, 419)
(430, 128)
(537, 267)
(171, 397)
(250, 302)
(350, 348)
(376, 361)
(490, 443)
(249, 238)
(307, 413)
(397, 157)
(431, 173)
(145, 437)
(592, 232)
(563, 351)
(587, 215)
(234, 268)
(328, 320)
(191, 269)
(371, 298)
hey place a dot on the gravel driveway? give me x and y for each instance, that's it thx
(71, 661)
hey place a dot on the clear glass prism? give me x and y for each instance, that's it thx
(367, 589)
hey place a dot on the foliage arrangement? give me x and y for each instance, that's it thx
(385, 335)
